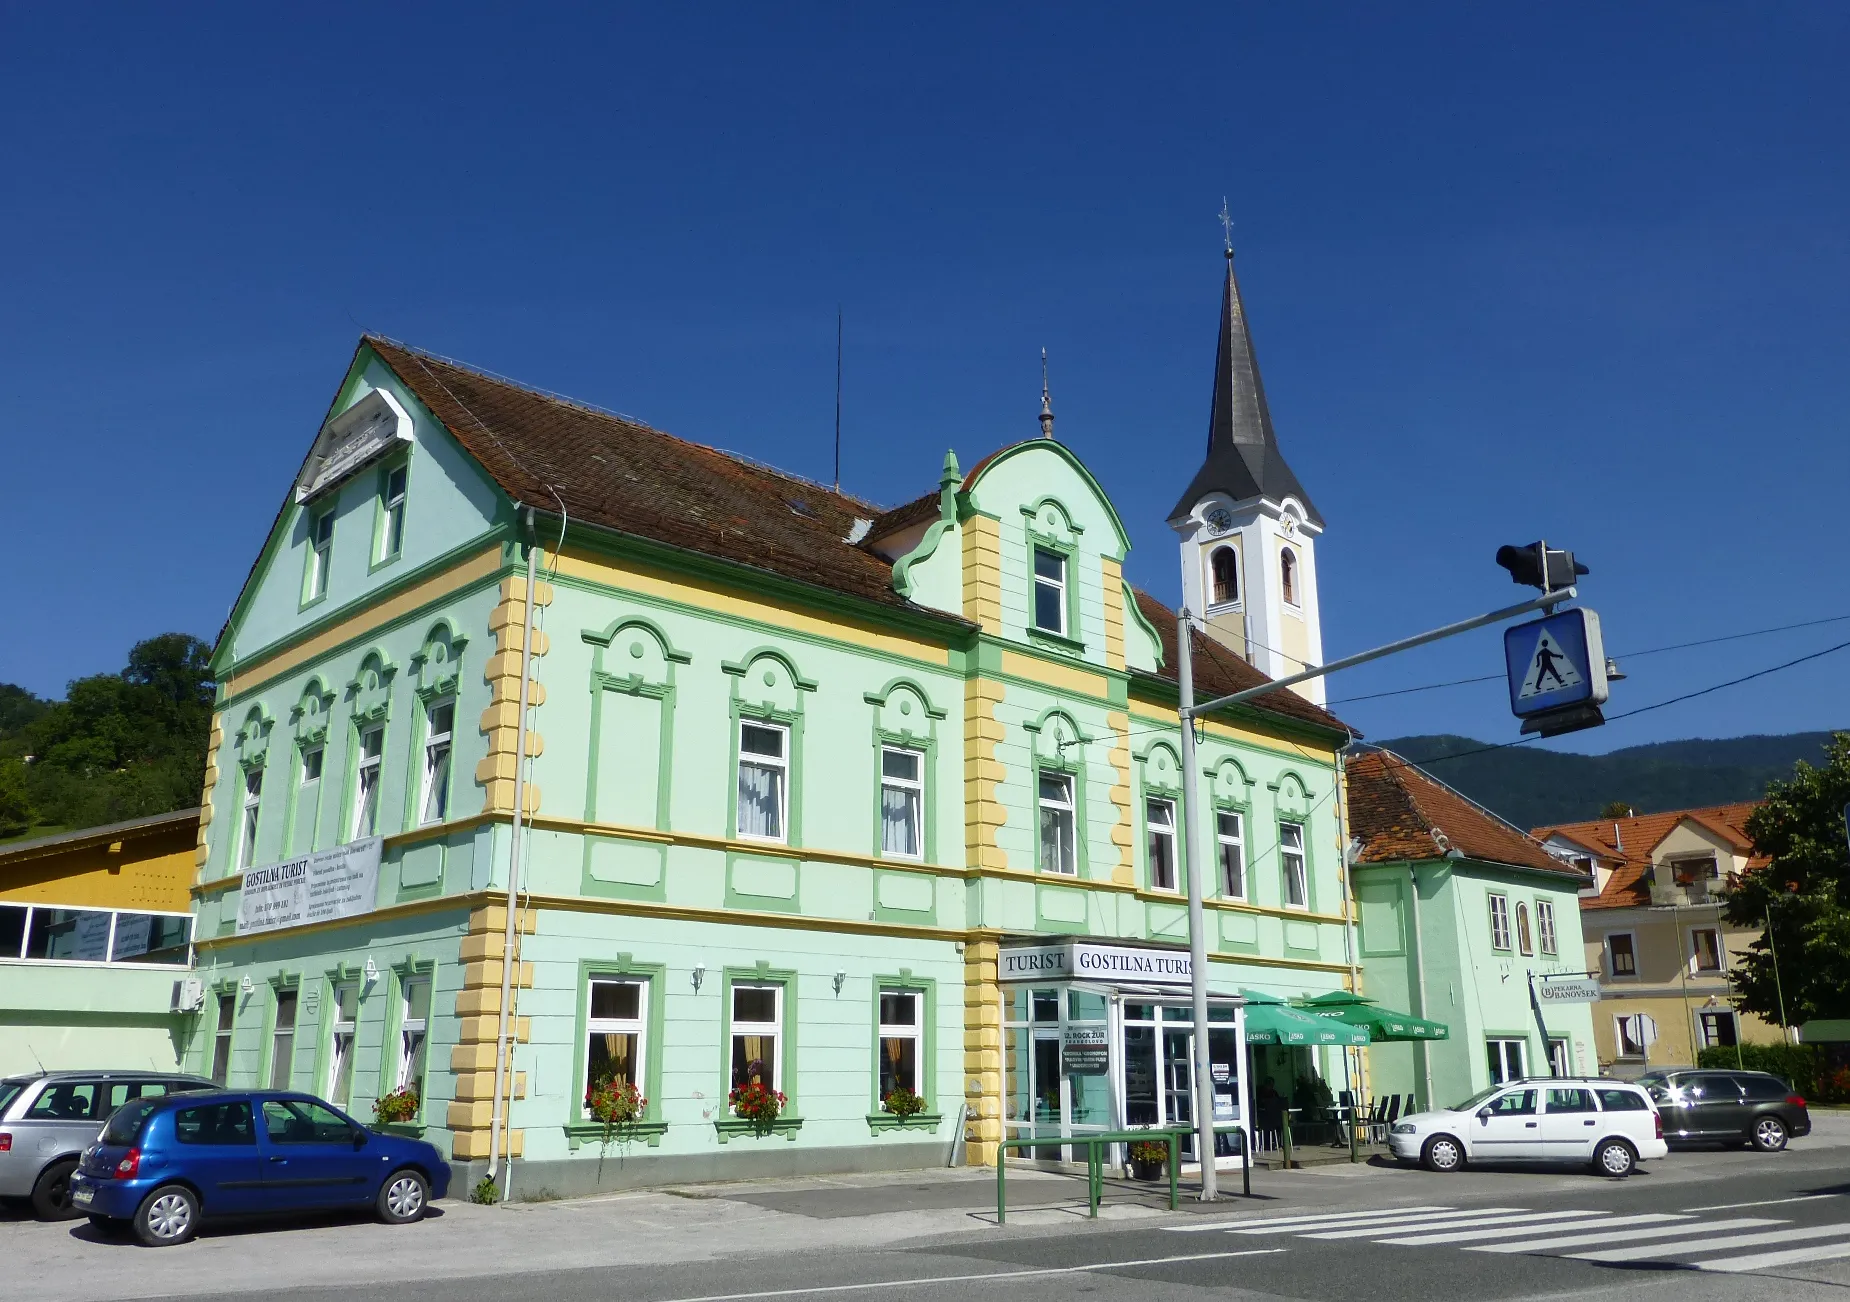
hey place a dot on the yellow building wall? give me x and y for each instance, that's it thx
(150, 869)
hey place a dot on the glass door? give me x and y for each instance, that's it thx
(1178, 1083)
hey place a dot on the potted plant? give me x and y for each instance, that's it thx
(902, 1102)
(757, 1103)
(400, 1106)
(1148, 1158)
(616, 1103)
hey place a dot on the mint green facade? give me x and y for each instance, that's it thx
(648, 872)
(1477, 974)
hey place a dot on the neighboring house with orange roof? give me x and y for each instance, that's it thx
(1655, 933)
(1460, 915)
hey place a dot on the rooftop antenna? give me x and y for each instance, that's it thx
(1046, 401)
(838, 397)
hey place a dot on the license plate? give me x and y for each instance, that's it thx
(83, 1195)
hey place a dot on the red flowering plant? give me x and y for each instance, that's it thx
(757, 1103)
(400, 1105)
(616, 1103)
(902, 1102)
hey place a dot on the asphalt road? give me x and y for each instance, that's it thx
(1724, 1226)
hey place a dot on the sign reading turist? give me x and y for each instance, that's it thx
(1088, 961)
(337, 883)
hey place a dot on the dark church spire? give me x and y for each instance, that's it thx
(1243, 460)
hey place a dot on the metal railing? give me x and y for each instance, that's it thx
(1094, 1145)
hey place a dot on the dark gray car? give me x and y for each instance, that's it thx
(1708, 1106)
(48, 1119)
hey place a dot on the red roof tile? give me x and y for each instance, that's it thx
(1401, 812)
(1626, 844)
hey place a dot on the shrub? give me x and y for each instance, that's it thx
(486, 1192)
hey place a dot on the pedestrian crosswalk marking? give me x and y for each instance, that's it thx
(1587, 1221)
(1715, 1245)
(1769, 1260)
(1284, 1222)
(1482, 1227)
(1397, 1223)
(1607, 1235)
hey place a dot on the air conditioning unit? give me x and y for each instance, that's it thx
(189, 995)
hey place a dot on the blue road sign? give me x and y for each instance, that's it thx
(1555, 662)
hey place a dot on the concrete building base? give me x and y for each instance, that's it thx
(539, 1181)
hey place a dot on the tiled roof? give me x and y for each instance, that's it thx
(904, 516)
(1626, 845)
(1400, 812)
(1219, 672)
(622, 475)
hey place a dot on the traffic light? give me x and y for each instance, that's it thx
(1525, 566)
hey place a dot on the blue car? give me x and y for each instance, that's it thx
(162, 1165)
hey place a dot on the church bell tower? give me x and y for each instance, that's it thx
(1247, 528)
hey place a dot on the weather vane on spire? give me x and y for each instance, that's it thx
(1226, 224)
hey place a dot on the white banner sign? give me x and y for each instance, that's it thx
(337, 883)
(1575, 990)
(1087, 961)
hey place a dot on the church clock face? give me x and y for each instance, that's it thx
(1220, 520)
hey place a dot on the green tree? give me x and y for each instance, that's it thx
(1615, 809)
(16, 813)
(1802, 896)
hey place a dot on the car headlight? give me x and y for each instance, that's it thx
(1404, 1129)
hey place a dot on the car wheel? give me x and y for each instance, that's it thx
(51, 1195)
(1443, 1154)
(1769, 1134)
(1616, 1158)
(403, 1197)
(167, 1216)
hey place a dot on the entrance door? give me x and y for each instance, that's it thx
(1178, 1084)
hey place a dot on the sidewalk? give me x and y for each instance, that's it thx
(68, 1262)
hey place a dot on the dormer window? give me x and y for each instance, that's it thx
(1288, 575)
(1223, 577)
(1049, 591)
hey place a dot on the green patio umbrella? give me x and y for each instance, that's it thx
(1380, 1023)
(1270, 1020)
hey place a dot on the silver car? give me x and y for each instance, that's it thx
(48, 1119)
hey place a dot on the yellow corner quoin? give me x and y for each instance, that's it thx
(263, 667)
(1113, 573)
(633, 578)
(982, 572)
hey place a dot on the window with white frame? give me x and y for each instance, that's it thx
(340, 1045)
(282, 1040)
(1229, 832)
(1291, 862)
(1223, 577)
(1049, 591)
(757, 1036)
(902, 802)
(1621, 956)
(614, 1040)
(1159, 817)
(392, 527)
(320, 554)
(413, 1033)
(764, 780)
(247, 825)
(1058, 844)
(308, 798)
(902, 1031)
(1545, 926)
(1507, 1059)
(1705, 945)
(440, 720)
(1499, 921)
(366, 783)
(221, 1039)
(1525, 936)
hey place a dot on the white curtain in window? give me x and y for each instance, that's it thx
(761, 800)
(899, 820)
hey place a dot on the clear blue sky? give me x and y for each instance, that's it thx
(1513, 271)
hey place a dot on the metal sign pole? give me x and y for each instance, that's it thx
(1202, 1096)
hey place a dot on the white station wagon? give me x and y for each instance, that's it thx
(1611, 1124)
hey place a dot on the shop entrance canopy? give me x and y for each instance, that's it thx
(1269, 1020)
(1379, 1023)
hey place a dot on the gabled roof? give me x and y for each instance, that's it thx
(619, 474)
(1400, 812)
(1219, 672)
(1626, 845)
(1243, 459)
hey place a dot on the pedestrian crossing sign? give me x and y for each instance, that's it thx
(1555, 662)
